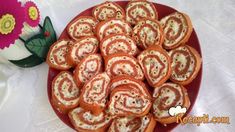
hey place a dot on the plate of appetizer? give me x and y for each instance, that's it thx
(121, 66)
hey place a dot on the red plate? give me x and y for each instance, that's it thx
(193, 87)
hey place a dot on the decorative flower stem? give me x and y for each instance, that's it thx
(22, 39)
(40, 26)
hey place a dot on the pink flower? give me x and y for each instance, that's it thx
(32, 14)
(12, 18)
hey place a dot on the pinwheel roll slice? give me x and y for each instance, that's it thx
(81, 27)
(128, 100)
(139, 9)
(94, 93)
(87, 68)
(112, 26)
(133, 124)
(108, 10)
(82, 48)
(118, 43)
(177, 28)
(65, 93)
(123, 64)
(56, 57)
(167, 96)
(156, 65)
(148, 32)
(128, 80)
(186, 63)
(85, 121)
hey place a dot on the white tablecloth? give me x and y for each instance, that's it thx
(26, 107)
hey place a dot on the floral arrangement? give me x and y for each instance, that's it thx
(13, 17)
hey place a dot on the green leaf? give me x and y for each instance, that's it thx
(27, 62)
(37, 45)
(49, 32)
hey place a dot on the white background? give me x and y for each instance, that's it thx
(27, 108)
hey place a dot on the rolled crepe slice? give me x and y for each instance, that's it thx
(108, 10)
(85, 121)
(139, 9)
(177, 28)
(65, 93)
(112, 26)
(56, 57)
(118, 43)
(87, 68)
(123, 64)
(128, 80)
(82, 48)
(129, 100)
(186, 63)
(94, 93)
(148, 32)
(83, 26)
(167, 96)
(133, 124)
(156, 65)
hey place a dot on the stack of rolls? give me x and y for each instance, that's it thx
(129, 68)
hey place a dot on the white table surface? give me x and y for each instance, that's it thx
(26, 108)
